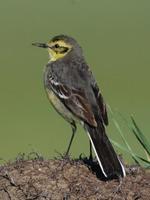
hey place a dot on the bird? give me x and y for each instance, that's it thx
(74, 93)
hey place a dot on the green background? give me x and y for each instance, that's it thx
(115, 36)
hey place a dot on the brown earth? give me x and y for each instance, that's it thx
(66, 179)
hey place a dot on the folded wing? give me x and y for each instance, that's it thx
(75, 100)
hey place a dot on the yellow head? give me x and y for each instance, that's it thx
(60, 46)
(57, 48)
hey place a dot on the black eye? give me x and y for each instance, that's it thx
(56, 45)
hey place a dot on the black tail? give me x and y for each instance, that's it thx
(108, 160)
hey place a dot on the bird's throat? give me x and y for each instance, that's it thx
(53, 56)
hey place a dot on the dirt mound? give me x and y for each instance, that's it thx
(65, 179)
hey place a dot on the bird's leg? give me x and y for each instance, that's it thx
(74, 128)
(91, 156)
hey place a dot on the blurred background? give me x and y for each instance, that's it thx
(115, 38)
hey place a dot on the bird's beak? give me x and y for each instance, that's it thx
(42, 45)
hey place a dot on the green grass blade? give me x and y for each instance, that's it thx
(130, 126)
(144, 160)
(134, 156)
(140, 136)
(148, 157)
(119, 130)
(122, 148)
